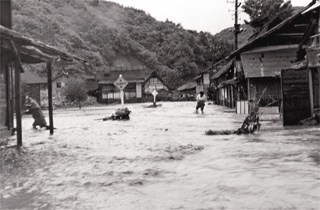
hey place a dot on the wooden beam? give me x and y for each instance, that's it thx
(310, 81)
(16, 56)
(49, 77)
(300, 25)
(289, 34)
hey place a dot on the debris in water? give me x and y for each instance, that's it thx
(120, 114)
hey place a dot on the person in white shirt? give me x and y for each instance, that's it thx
(201, 99)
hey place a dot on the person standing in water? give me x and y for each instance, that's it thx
(34, 108)
(201, 99)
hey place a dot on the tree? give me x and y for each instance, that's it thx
(75, 91)
(261, 11)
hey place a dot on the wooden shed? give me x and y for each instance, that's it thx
(295, 94)
(17, 49)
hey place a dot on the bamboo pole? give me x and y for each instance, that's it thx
(49, 77)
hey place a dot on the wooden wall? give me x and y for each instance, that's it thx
(295, 93)
(6, 119)
(267, 63)
(272, 92)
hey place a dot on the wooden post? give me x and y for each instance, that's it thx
(18, 103)
(17, 84)
(311, 90)
(249, 94)
(318, 69)
(49, 77)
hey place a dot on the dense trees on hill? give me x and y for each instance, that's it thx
(100, 31)
(261, 11)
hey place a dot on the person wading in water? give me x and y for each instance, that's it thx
(201, 99)
(34, 109)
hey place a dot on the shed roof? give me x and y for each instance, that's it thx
(223, 70)
(32, 51)
(272, 30)
(188, 86)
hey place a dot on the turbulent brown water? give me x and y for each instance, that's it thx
(161, 159)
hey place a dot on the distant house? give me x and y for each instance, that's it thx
(139, 88)
(188, 90)
(203, 81)
(33, 84)
(58, 82)
(225, 85)
(154, 82)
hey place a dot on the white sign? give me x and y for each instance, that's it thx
(154, 92)
(120, 83)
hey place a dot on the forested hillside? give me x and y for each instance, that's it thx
(101, 31)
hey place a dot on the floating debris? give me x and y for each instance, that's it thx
(120, 114)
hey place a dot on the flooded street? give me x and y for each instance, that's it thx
(161, 159)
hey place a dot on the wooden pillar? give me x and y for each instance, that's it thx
(249, 90)
(17, 87)
(17, 83)
(318, 69)
(49, 77)
(249, 94)
(311, 90)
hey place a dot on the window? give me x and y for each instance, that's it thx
(59, 85)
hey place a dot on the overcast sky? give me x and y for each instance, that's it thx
(200, 15)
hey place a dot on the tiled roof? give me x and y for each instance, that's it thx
(111, 76)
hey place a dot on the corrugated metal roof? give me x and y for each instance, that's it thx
(35, 49)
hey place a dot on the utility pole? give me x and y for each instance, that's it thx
(237, 61)
(236, 24)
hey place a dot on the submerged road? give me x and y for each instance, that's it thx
(161, 160)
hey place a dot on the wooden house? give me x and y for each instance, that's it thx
(107, 92)
(139, 88)
(225, 84)
(313, 59)
(300, 83)
(58, 82)
(16, 50)
(260, 61)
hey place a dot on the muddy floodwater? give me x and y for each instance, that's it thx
(161, 159)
